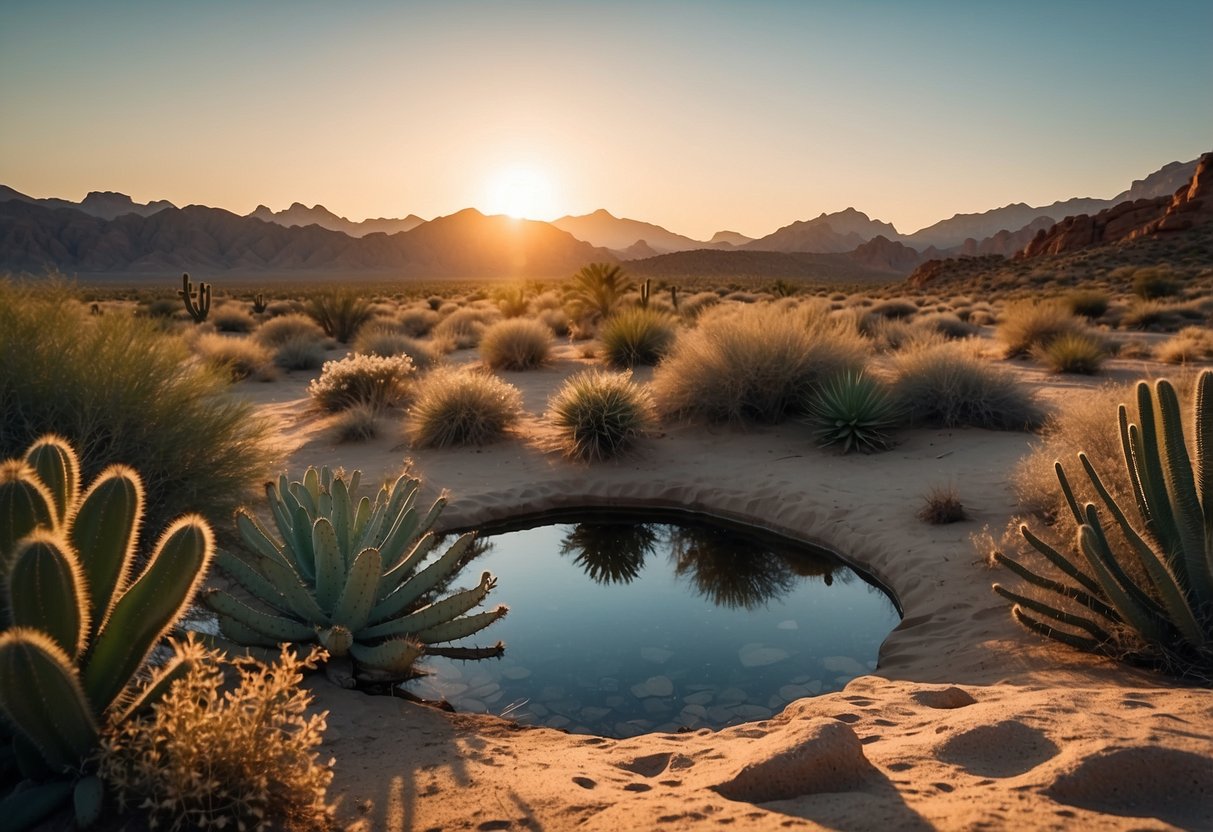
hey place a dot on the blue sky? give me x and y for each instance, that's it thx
(698, 116)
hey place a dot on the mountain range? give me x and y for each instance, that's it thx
(108, 233)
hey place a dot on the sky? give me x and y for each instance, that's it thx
(698, 116)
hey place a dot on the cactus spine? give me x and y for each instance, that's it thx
(1172, 609)
(197, 301)
(346, 574)
(83, 628)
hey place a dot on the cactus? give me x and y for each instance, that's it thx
(645, 292)
(82, 628)
(347, 574)
(259, 303)
(674, 297)
(1171, 610)
(197, 302)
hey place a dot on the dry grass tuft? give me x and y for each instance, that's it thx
(941, 505)
(949, 385)
(461, 407)
(599, 414)
(516, 344)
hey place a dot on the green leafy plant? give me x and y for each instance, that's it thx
(197, 301)
(83, 620)
(1149, 595)
(599, 414)
(255, 741)
(348, 573)
(636, 336)
(856, 410)
(600, 287)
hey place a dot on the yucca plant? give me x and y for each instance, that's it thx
(80, 623)
(600, 286)
(346, 574)
(340, 313)
(856, 410)
(1152, 597)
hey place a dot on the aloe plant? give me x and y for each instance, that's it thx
(1157, 583)
(856, 410)
(82, 621)
(347, 573)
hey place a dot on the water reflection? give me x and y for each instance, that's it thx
(610, 553)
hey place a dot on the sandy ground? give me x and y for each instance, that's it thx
(968, 722)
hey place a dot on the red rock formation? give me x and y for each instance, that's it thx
(1191, 205)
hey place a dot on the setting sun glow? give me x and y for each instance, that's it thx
(522, 192)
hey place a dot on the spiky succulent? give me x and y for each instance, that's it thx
(82, 621)
(598, 414)
(855, 409)
(348, 573)
(1158, 584)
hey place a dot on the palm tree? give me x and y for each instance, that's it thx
(600, 286)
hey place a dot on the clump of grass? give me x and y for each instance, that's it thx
(941, 505)
(231, 318)
(856, 410)
(362, 379)
(417, 321)
(462, 328)
(356, 424)
(120, 391)
(1073, 353)
(1158, 316)
(949, 385)
(301, 352)
(238, 357)
(212, 755)
(1087, 303)
(386, 340)
(753, 363)
(896, 309)
(636, 336)
(947, 324)
(461, 407)
(340, 313)
(599, 414)
(556, 320)
(1151, 283)
(516, 344)
(1027, 325)
(277, 331)
(1191, 344)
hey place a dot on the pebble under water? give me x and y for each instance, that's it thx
(623, 626)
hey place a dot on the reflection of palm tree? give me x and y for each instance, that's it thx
(732, 570)
(610, 553)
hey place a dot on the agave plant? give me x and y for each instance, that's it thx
(347, 573)
(855, 409)
(79, 623)
(1159, 584)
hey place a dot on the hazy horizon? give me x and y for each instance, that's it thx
(699, 117)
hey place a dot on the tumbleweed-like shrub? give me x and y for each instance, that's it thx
(949, 385)
(635, 336)
(461, 407)
(362, 379)
(516, 344)
(277, 331)
(1026, 325)
(599, 414)
(1073, 352)
(238, 357)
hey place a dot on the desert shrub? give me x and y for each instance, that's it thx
(1192, 343)
(1157, 316)
(238, 357)
(416, 321)
(1155, 282)
(356, 424)
(856, 410)
(599, 414)
(941, 505)
(636, 336)
(277, 331)
(463, 328)
(301, 352)
(122, 392)
(1073, 353)
(599, 287)
(372, 380)
(753, 362)
(897, 308)
(949, 385)
(512, 302)
(340, 313)
(212, 755)
(892, 334)
(556, 320)
(695, 305)
(516, 344)
(1087, 303)
(947, 324)
(231, 318)
(1026, 325)
(461, 407)
(162, 308)
(278, 308)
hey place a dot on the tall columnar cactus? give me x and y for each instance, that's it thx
(674, 297)
(197, 302)
(259, 304)
(646, 290)
(82, 622)
(347, 574)
(1170, 607)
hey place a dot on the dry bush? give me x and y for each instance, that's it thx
(1073, 352)
(949, 385)
(417, 321)
(893, 335)
(356, 424)
(461, 407)
(599, 414)
(215, 756)
(695, 305)
(1158, 316)
(340, 313)
(278, 308)
(555, 319)
(941, 505)
(463, 328)
(301, 352)
(947, 324)
(516, 344)
(635, 336)
(1087, 303)
(372, 380)
(277, 331)
(754, 362)
(1190, 345)
(238, 357)
(386, 340)
(1027, 325)
(898, 308)
(232, 318)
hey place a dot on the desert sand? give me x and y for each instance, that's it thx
(968, 721)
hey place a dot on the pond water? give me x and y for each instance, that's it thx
(620, 626)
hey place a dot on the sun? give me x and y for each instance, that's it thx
(521, 192)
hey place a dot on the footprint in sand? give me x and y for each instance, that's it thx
(1004, 749)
